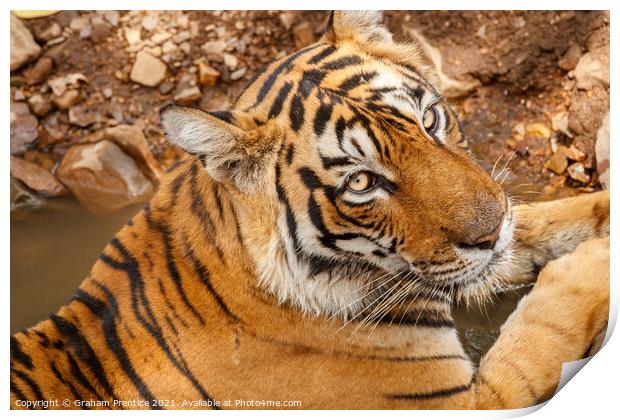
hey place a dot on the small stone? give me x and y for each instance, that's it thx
(558, 162)
(168, 47)
(538, 130)
(67, 99)
(112, 17)
(570, 59)
(85, 33)
(107, 92)
(304, 35)
(78, 24)
(148, 70)
(602, 153)
(239, 25)
(150, 21)
(188, 95)
(49, 135)
(39, 105)
(132, 36)
(37, 178)
(287, 19)
(23, 46)
(214, 47)
(160, 37)
(230, 61)
(238, 74)
(186, 47)
(578, 172)
(208, 76)
(181, 37)
(82, 117)
(99, 32)
(592, 70)
(22, 197)
(23, 128)
(103, 177)
(40, 71)
(42, 159)
(51, 32)
(165, 88)
(18, 95)
(132, 140)
(573, 153)
(559, 122)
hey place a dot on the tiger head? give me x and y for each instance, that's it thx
(352, 175)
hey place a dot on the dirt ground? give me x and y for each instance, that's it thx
(527, 101)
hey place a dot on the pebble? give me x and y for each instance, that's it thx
(230, 61)
(99, 32)
(578, 172)
(148, 70)
(287, 19)
(538, 130)
(181, 37)
(51, 32)
(132, 36)
(188, 95)
(238, 74)
(67, 99)
(23, 128)
(23, 46)
(39, 105)
(82, 117)
(37, 178)
(107, 92)
(40, 71)
(558, 162)
(573, 153)
(570, 58)
(112, 17)
(214, 47)
(78, 24)
(559, 122)
(150, 21)
(160, 37)
(207, 75)
(592, 70)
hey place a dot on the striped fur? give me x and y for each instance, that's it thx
(255, 274)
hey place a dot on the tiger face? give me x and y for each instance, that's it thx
(352, 175)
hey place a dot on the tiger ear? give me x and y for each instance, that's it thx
(357, 25)
(229, 153)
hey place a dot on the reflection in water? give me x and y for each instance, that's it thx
(53, 249)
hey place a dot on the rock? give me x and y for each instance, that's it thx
(230, 61)
(208, 76)
(188, 95)
(19, 95)
(40, 105)
(288, 19)
(99, 32)
(182, 37)
(41, 159)
(573, 153)
(160, 37)
(148, 70)
(132, 140)
(559, 122)
(132, 36)
(450, 87)
(23, 46)
(214, 47)
(538, 130)
(150, 21)
(168, 47)
(40, 71)
(51, 134)
(107, 92)
(78, 24)
(166, 88)
(570, 58)
(238, 74)
(112, 17)
(103, 177)
(602, 153)
(23, 128)
(86, 32)
(558, 162)
(51, 32)
(22, 198)
(578, 172)
(82, 117)
(67, 99)
(304, 35)
(37, 178)
(592, 70)
(60, 84)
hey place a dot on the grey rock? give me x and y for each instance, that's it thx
(23, 46)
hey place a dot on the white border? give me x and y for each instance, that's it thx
(592, 395)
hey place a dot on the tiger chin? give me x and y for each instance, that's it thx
(309, 250)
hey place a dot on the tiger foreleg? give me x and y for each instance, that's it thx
(559, 321)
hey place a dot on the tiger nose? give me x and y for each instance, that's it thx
(485, 241)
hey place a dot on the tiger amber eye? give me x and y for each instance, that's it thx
(359, 182)
(429, 118)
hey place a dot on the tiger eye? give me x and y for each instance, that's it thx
(360, 182)
(430, 119)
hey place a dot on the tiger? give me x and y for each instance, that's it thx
(307, 251)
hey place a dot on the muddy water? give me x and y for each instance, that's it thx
(53, 249)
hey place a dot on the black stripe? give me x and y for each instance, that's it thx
(442, 393)
(18, 355)
(323, 114)
(322, 55)
(276, 107)
(356, 80)
(79, 375)
(18, 393)
(67, 383)
(342, 62)
(31, 383)
(296, 112)
(82, 349)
